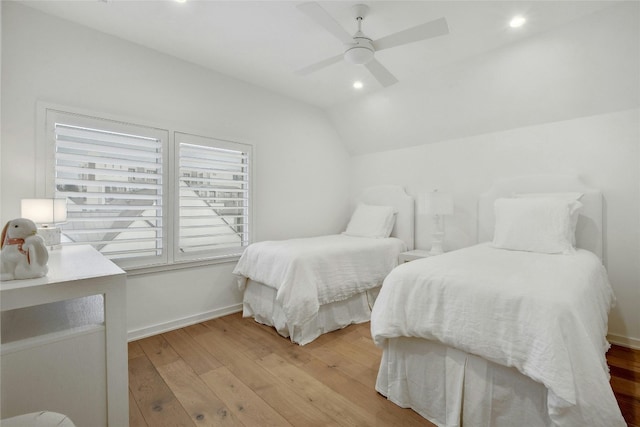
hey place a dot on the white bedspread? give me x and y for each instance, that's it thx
(545, 315)
(318, 270)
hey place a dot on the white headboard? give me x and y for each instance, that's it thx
(589, 231)
(393, 195)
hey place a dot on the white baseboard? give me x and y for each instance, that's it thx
(137, 334)
(624, 341)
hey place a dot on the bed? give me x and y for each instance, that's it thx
(309, 286)
(496, 335)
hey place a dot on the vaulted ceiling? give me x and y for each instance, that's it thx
(266, 42)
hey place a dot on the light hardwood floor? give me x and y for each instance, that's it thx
(233, 371)
(624, 365)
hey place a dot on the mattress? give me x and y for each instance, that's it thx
(260, 302)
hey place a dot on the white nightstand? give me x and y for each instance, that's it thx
(412, 255)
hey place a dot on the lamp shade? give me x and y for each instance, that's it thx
(436, 203)
(44, 211)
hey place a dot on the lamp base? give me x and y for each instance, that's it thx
(437, 239)
(436, 248)
(50, 235)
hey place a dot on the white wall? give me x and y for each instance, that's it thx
(563, 102)
(604, 150)
(300, 164)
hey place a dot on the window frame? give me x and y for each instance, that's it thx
(171, 258)
(207, 141)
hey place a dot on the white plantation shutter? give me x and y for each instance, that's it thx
(112, 175)
(213, 184)
(144, 199)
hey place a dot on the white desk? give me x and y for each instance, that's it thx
(74, 272)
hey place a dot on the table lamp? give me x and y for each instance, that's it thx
(46, 213)
(438, 204)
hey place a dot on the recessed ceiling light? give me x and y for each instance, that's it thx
(357, 85)
(181, 1)
(517, 21)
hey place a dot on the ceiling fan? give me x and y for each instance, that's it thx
(360, 49)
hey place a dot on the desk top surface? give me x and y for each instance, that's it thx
(69, 263)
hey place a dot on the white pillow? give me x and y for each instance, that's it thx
(536, 224)
(570, 197)
(371, 221)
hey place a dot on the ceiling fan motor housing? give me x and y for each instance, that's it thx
(360, 52)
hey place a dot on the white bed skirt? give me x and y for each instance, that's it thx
(260, 303)
(450, 387)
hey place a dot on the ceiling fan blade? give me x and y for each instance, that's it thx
(319, 65)
(381, 74)
(424, 31)
(314, 11)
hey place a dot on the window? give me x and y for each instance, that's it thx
(213, 186)
(145, 196)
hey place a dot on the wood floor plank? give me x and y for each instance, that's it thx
(332, 404)
(247, 405)
(630, 408)
(203, 405)
(251, 346)
(295, 408)
(135, 416)
(386, 412)
(134, 349)
(351, 351)
(624, 352)
(363, 328)
(357, 371)
(625, 387)
(624, 364)
(625, 358)
(356, 332)
(328, 338)
(200, 360)
(156, 401)
(365, 344)
(196, 329)
(158, 350)
(271, 341)
(236, 327)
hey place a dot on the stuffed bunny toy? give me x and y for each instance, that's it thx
(23, 254)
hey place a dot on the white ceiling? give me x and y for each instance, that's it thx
(265, 42)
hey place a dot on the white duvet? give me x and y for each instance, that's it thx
(313, 271)
(545, 315)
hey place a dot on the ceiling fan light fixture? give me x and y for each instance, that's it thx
(358, 54)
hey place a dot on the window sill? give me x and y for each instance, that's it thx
(180, 265)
